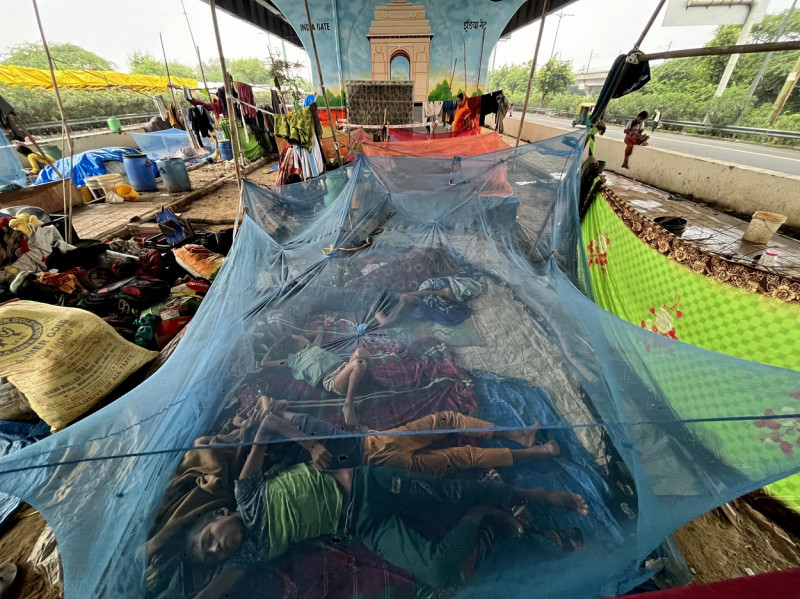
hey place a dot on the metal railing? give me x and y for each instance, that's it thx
(100, 122)
(707, 128)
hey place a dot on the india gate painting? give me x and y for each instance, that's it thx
(400, 45)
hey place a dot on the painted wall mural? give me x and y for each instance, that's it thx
(443, 46)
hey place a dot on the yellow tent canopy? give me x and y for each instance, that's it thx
(25, 77)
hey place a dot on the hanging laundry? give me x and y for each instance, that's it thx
(245, 94)
(281, 126)
(489, 105)
(301, 128)
(277, 103)
(315, 119)
(432, 112)
(175, 117)
(9, 121)
(251, 149)
(223, 104)
(187, 94)
(474, 105)
(502, 111)
(449, 110)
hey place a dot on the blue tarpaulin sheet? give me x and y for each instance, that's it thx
(86, 164)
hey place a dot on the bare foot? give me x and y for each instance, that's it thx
(525, 436)
(349, 412)
(564, 499)
(625, 166)
(569, 501)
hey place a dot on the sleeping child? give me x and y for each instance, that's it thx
(373, 504)
(311, 363)
(417, 445)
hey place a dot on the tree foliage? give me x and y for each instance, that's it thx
(65, 56)
(249, 70)
(144, 63)
(554, 77)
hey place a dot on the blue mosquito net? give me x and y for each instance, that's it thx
(411, 321)
(10, 170)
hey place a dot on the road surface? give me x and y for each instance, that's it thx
(781, 160)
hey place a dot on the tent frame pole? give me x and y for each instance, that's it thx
(635, 49)
(322, 86)
(725, 50)
(66, 190)
(533, 72)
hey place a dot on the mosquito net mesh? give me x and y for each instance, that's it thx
(411, 321)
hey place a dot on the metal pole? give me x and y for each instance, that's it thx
(596, 116)
(229, 101)
(533, 72)
(588, 64)
(480, 61)
(767, 58)
(553, 50)
(649, 24)
(465, 69)
(725, 50)
(65, 191)
(322, 85)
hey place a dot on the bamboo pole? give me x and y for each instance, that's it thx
(725, 50)
(169, 79)
(322, 85)
(533, 72)
(229, 101)
(649, 24)
(455, 62)
(66, 190)
(197, 51)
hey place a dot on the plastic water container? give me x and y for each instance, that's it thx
(114, 125)
(140, 172)
(126, 192)
(225, 149)
(763, 226)
(174, 174)
(768, 258)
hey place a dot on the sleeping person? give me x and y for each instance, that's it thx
(311, 363)
(417, 445)
(373, 504)
(441, 299)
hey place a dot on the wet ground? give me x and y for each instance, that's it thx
(711, 230)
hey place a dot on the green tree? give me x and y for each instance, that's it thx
(249, 70)
(441, 92)
(65, 56)
(144, 63)
(213, 70)
(554, 77)
(513, 80)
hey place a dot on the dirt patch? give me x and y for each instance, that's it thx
(218, 207)
(19, 534)
(724, 542)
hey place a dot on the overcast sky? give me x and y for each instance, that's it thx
(114, 29)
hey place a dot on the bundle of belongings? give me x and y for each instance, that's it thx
(79, 321)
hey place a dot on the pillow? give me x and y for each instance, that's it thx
(199, 261)
(63, 360)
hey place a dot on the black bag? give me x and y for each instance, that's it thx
(129, 296)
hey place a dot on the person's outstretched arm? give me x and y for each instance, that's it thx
(320, 456)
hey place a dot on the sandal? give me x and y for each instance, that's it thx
(8, 573)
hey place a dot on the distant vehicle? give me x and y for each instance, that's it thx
(584, 112)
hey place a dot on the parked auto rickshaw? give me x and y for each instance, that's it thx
(584, 112)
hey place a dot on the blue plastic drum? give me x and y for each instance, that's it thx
(140, 172)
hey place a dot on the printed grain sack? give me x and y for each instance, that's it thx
(64, 360)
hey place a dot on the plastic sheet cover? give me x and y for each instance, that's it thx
(416, 331)
(86, 164)
(10, 168)
(165, 144)
(98, 80)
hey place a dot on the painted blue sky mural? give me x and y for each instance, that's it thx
(401, 32)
